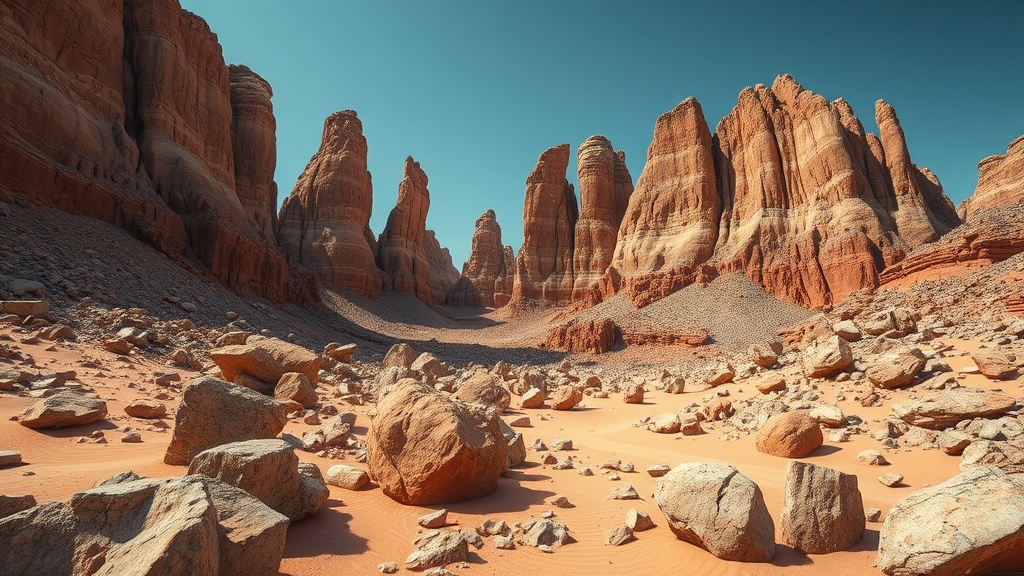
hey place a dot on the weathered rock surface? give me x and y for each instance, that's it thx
(254, 142)
(14, 504)
(822, 509)
(544, 264)
(970, 524)
(437, 548)
(1000, 181)
(266, 359)
(401, 254)
(214, 412)
(1007, 456)
(190, 525)
(67, 408)
(488, 274)
(790, 191)
(443, 274)
(486, 389)
(790, 435)
(896, 368)
(144, 408)
(296, 387)
(592, 336)
(269, 470)
(324, 223)
(738, 527)
(423, 448)
(827, 357)
(605, 187)
(939, 410)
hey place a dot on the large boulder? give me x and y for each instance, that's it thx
(1007, 456)
(996, 366)
(266, 359)
(189, 525)
(792, 434)
(827, 357)
(424, 448)
(296, 387)
(896, 368)
(822, 510)
(972, 523)
(486, 389)
(214, 412)
(267, 469)
(736, 527)
(66, 408)
(565, 397)
(437, 548)
(945, 408)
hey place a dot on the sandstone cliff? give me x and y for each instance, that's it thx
(605, 188)
(790, 191)
(400, 249)
(324, 223)
(122, 111)
(544, 264)
(488, 274)
(254, 140)
(443, 274)
(1000, 181)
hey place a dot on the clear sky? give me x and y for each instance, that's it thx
(476, 90)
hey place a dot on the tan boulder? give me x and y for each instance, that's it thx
(296, 387)
(633, 394)
(400, 355)
(485, 389)
(790, 435)
(423, 448)
(143, 408)
(822, 509)
(972, 523)
(996, 366)
(942, 409)
(896, 368)
(737, 528)
(347, 477)
(532, 398)
(340, 352)
(565, 397)
(66, 408)
(827, 357)
(213, 412)
(267, 359)
(267, 469)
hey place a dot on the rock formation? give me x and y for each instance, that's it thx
(671, 223)
(324, 223)
(790, 190)
(254, 141)
(400, 249)
(1000, 181)
(122, 111)
(605, 187)
(488, 274)
(443, 274)
(544, 265)
(994, 229)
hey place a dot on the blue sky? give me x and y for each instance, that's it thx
(476, 90)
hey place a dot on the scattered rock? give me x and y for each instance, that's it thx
(546, 532)
(437, 548)
(638, 520)
(658, 470)
(737, 528)
(790, 435)
(618, 536)
(872, 458)
(633, 394)
(891, 479)
(626, 492)
(347, 477)
(486, 389)
(9, 458)
(827, 357)
(995, 366)
(296, 387)
(65, 408)
(433, 520)
(943, 409)
(147, 409)
(266, 359)
(533, 398)
(822, 509)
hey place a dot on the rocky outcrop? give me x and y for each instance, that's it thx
(544, 264)
(324, 223)
(593, 337)
(122, 111)
(790, 191)
(1000, 181)
(605, 187)
(443, 274)
(972, 523)
(487, 276)
(994, 229)
(671, 222)
(254, 142)
(400, 249)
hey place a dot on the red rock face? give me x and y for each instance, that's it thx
(593, 337)
(790, 191)
(122, 111)
(254, 140)
(400, 248)
(1000, 181)
(544, 265)
(324, 223)
(487, 276)
(605, 187)
(443, 274)
(62, 119)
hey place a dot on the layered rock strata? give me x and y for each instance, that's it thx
(789, 190)
(487, 276)
(324, 223)
(401, 253)
(1000, 181)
